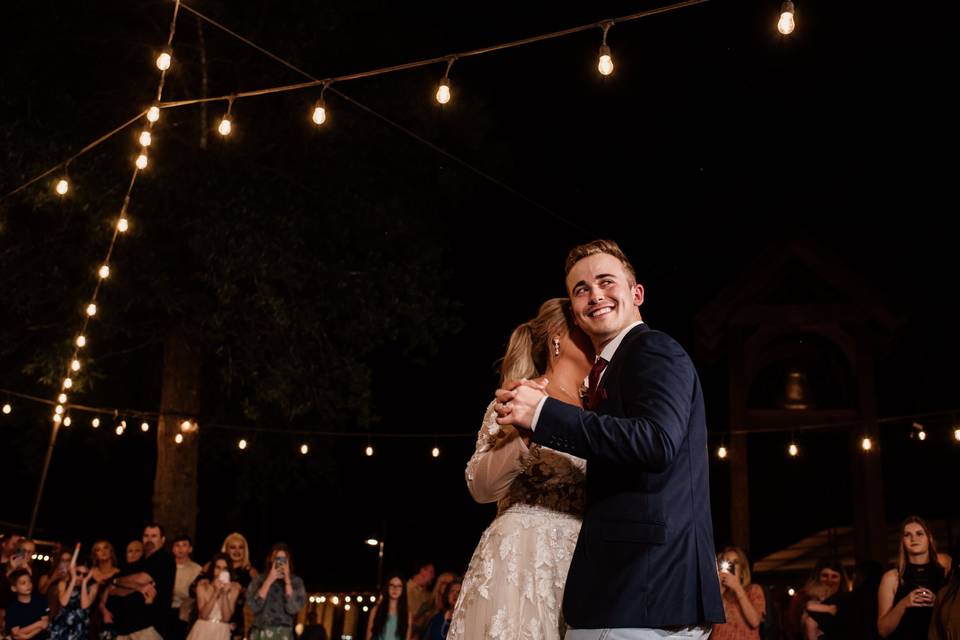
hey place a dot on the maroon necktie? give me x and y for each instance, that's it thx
(593, 382)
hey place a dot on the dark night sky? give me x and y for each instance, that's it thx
(714, 139)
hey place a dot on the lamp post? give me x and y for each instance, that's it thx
(373, 542)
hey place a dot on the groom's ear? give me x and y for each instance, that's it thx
(638, 294)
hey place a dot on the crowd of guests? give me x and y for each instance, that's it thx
(915, 600)
(153, 594)
(156, 594)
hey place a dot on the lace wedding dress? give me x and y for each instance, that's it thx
(513, 587)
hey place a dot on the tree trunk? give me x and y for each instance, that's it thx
(175, 485)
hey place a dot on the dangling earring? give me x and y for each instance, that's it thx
(556, 347)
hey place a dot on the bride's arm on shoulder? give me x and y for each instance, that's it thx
(497, 460)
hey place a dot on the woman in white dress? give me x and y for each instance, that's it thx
(216, 598)
(513, 587)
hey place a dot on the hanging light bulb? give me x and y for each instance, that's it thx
(58, 409)
(956, 434)
(95, 423)
(104, 271)
(322, 599)
(346, 607)
(7, 408)
(443, 91)
(366, 608)
(81, 341)
(368, 450)
(787, 22)
(67, 421)
(123, 224)
(436, 452)
(793, 450)
(57, 418)
(145, 139)
(605, 61)
(164, 60)
(178, 438)
(62, 398)
(605, 64)
(67, 383)
(347, 599)
(242, 444)
(922, 435)
(91, 309)
(319, 113)
(141, 161)
(335, 600)
(119, 430)
(791, 592)
(62, 186)
(75, 365)
(866, 443)
(304, 449)
(722, 452)
(186, 426)
(225, 126)
(145, 426)
(153, 113)
(359, 598)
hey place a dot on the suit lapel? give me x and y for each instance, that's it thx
(616, 364)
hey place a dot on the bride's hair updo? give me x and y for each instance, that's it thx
(529, 349)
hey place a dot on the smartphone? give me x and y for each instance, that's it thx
(280, 561)
(224, 577)
(728, 567)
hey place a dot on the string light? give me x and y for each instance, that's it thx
(346, 607)
(119, 430)
(347, 599)
(322, 599)
(304, 449)
(7, 408)
(81, 341)
(67, 421)
(369, 451)
(787, 22)
(178, 438)
(791, 592)
(95, 423)
(226, 125)
(145, 138)
(956, 434)
(373, 599)
(443, 91)
(164, 60)
(722, 452)
(67, 383)
(866, 444)
(921, 434)
(242, 444)
(436, 452)
(366, 608)
(605, 62)
(153, 113)
(123, 224)
(141, 161)
(75, 365)
(57, 418)
(145, 427)
(335, 600)
(62, 398)
(320, 107)
(58, 409)
(104, 272)
(359, 598)
(63, 185)
(91, 309)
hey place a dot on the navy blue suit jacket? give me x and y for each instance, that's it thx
(645, 555)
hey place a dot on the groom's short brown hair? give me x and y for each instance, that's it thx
(609, 247)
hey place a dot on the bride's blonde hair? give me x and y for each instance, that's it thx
(529, 349)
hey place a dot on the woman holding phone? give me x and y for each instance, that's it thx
(276, 597)
(744, 605)
(216, 599)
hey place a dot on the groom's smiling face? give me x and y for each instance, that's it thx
(605, 299)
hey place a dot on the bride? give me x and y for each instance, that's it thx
(513, 587)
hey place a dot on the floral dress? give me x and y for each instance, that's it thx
(513, 587)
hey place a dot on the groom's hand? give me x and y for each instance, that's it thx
(517, 402)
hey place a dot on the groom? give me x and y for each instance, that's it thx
(644, 565)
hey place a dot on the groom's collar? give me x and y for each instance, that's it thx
(611, 347)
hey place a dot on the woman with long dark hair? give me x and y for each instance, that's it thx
(216, 598)
(390, 618)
